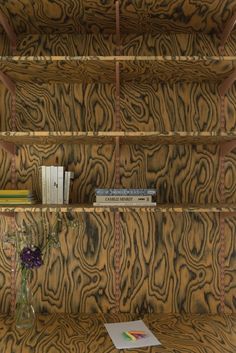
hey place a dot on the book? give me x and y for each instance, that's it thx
(131, 334)
(60, 183)
(115, 204)
(69, 176)
(18, 193)
(43, 183)
(123, 198)
(48, 184)
(53, 184)
(139, 192)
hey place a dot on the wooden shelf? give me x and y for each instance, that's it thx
(88, 208)
(175, 332)
(108, 137)
(136, 16)
(102, 68)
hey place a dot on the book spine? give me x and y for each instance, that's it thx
(71, 179)
(54, 185)
(43, 182)
(13, 192)
(60, 180)
(119, 198)
(140, 192)
(66, 188)
(48, 184)
(116, 204)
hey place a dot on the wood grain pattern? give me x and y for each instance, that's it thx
(179, 16)
(102, 69)
(146, 44)
(230, 264)
(77, 277)
(61, 16)
(175, 107)
(5, 111)
(71, 69)
(156, 69)
(65, 107)
(66, 44)
(5, 170)
(5, 267)
(230, 169)
(170, 263)
(181, 174)
(175, 44)
(87, 333)
(88, 208)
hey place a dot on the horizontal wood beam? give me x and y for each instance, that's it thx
(229, 26)
(8, 83)
(8, 146)
(227, 83)
(9, 30)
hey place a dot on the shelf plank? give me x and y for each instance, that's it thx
(108, 137)
(88, 208)
(102, 68)
(99, 16)
(88, 333)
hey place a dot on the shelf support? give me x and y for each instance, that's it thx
(8, 83)
(225, 148)
(229, 26)
(8, 147)
(118, 49)
(223, 215)
(223, 89)
(9, 30)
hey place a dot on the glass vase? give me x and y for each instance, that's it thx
(25, 314)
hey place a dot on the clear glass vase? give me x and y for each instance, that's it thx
(25, 314)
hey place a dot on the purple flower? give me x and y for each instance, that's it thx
(31, 257)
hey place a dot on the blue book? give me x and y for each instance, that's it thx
(110, 192)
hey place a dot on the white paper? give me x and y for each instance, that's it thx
(116, 330)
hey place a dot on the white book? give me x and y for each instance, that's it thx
(43, 183)
(131, 334)
(60, 182)
(123, 204)
(48, 184)
(53, 185)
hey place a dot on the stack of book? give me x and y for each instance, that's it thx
(56, 184)
(125, 197)
(16, 197)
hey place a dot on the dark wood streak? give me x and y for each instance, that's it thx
(179, 16)
(65, 107)
(154, 278)
(61, 16)
(181, 174)
(78, 277)
(171, 107)
(230, 264)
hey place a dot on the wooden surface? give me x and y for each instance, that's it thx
(89, 208)
(102, 69)
(108, 137)
(87, 334)
(166, 44)
(176, 257)
(69, 16)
